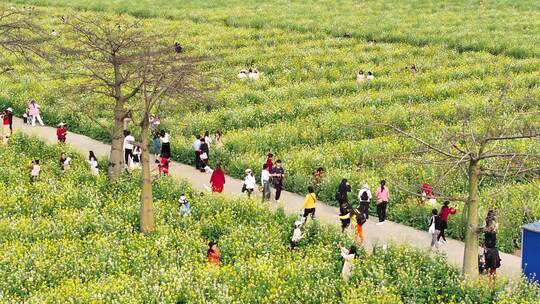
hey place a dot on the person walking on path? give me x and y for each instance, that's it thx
(445, 212)
(128, 148)
(435, 224)
(197, 149)
(217, 180)
(342, 193)
(490, 230)
(34, 113)
(382, 195)
(136, 161)
(265, 183)
(277, 178)
(164, 165)
(35, 169)
(296, 235)
(156, 144)
(93, 162)
(309, 203)
(344, 216)
(8, 122)
(64, 161)
(270, 162)
(213, 254)
(249, 183)
(492, 262)
(348, 256)
(364, 197)
(204, 154)
(61, 133)
(165, 143)
(359, 219)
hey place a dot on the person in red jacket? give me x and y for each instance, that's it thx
(445, 212)
(164, 165)
(269, 162)
(61, 133)
(217, 180)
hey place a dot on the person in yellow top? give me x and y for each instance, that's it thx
(309, 203)
(359, 220)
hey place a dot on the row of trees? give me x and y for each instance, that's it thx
(137, 71)
(116, 59)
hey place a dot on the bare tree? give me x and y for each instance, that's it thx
(484, 149)
(19, 36)
(103, 54)
(167, 79)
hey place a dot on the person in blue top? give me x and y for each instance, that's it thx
(185, 207)
(277, 178)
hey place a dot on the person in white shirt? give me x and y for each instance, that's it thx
(297, 234)
(242, 75)
(253, 74)
(93, 162)
(249, 182)
(64, 161)
(265, 182)
(165, 143)
(360, 76)
(128, 147)
(136, 161)
(207, 138)
(364, 197)
(370, 76)
(348, 256)
(197, 148)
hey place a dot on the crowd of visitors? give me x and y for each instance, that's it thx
(351, 214)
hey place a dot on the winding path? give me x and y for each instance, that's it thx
(291, 202)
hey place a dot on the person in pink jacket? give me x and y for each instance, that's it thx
(33, 112)
(382, 194)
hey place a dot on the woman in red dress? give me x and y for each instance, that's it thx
(217, 180)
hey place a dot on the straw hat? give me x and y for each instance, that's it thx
(61, 124)
(9, 109)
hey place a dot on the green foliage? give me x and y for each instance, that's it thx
(307, 108)
(72, 237)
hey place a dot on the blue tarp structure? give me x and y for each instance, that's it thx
(530, 259)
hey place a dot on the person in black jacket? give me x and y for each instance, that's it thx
(342, 192)
(492, 261)
(435, 227)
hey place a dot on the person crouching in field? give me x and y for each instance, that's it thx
(64, 161)
(296, 235)
(35, 169)
(93, 162)
(61, 133)
(360, 77)
(213, 254)
(184, 206)
(249, 183)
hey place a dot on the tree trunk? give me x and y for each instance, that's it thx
(470, 258)
(116, 158)
(146, 216)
